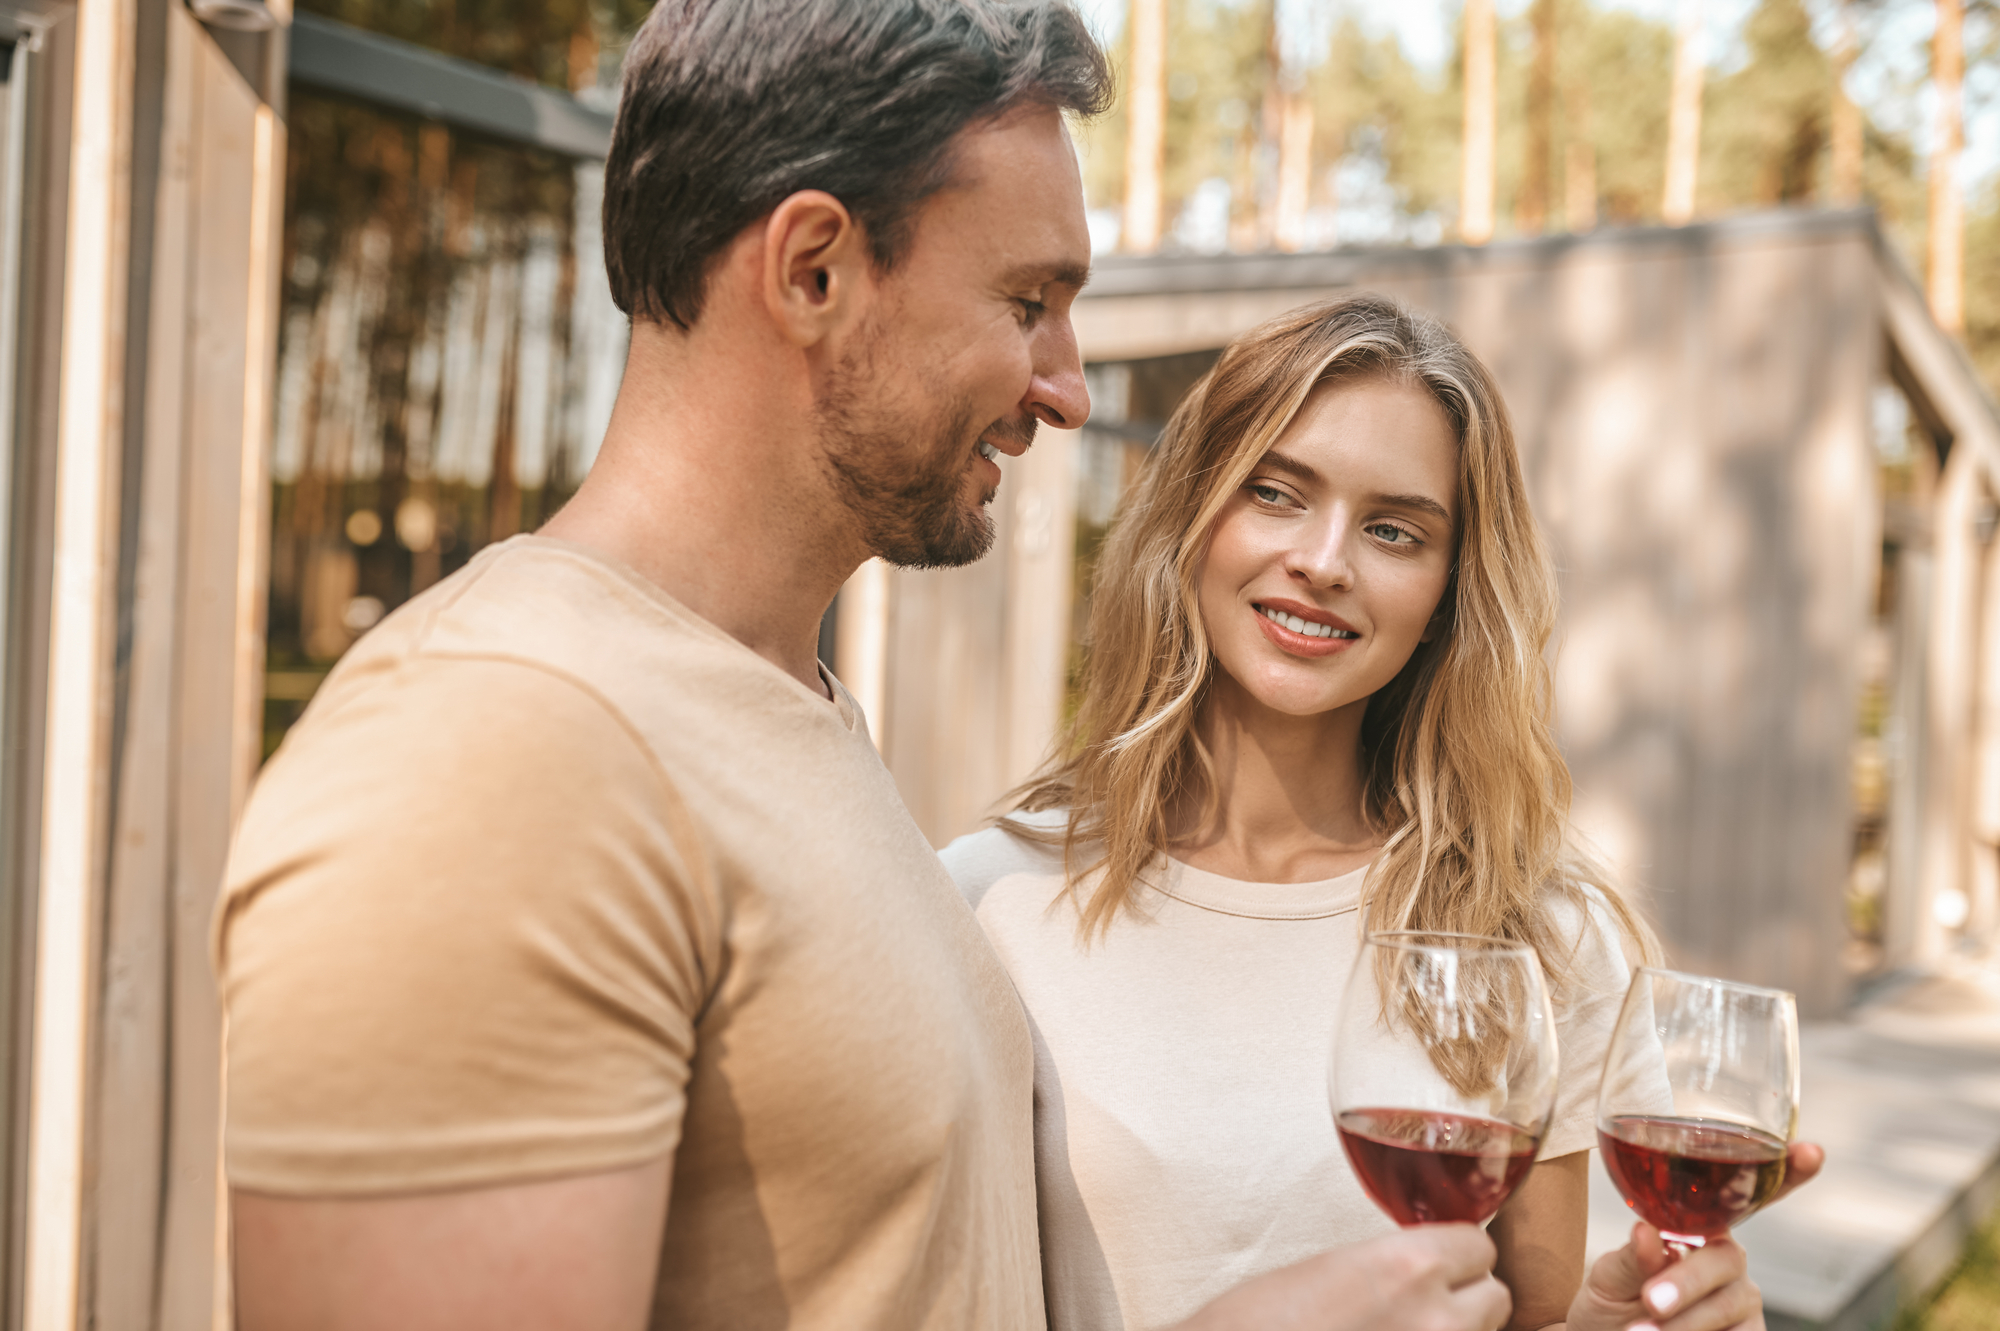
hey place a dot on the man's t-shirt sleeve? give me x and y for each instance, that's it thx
(465, 938)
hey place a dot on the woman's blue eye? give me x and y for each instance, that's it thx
(1391, 533)
(1270, 494)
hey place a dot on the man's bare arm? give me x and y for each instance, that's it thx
(577, 1253)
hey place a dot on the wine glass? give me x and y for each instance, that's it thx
(1699, 1100)
(1444, 1072)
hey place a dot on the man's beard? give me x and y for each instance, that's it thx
(913, 518)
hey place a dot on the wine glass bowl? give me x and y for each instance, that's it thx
(1698, 1101)
(1443, 1073)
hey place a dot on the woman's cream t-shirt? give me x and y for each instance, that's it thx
(1183, 1138)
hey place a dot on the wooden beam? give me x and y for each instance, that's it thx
(75, 774)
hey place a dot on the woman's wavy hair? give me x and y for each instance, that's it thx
(1463, 777)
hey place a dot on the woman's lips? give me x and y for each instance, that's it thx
(1299, 644)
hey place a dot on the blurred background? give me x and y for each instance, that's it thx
(302, 304)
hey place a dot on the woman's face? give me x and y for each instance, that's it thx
(1326, 566)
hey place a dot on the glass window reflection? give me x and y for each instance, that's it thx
(448, 355)
(575, 45)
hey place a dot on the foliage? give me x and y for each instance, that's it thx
(1969, 1299)
(1766, 124)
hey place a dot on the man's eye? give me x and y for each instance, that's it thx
(1031, 310)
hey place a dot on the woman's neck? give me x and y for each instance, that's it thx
(1289, 793)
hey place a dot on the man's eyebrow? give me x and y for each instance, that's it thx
(1060, 272)
(1310, 475)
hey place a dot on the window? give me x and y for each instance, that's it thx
(448, 356)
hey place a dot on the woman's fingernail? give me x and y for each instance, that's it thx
(1661, 1297)
(1643, 1326)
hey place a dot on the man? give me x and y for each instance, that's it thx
(583, 968)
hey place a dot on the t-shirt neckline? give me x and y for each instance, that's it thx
(845, 708)
(1263, 901)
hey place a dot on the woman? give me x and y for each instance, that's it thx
(1316, 698)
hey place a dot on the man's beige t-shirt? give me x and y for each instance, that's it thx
(556, 877)
(1184, 1134)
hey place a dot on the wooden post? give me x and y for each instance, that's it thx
(861, 644)
(1475, 217)
(1946, 285)
(1145, 125)
(76, 763)
(1684, 117)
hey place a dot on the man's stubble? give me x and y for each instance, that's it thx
(913, 517)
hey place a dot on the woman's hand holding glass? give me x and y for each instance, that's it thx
(1696, 1111)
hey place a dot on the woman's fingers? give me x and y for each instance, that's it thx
(1737, 1306)
(1802, 1161)
(1707, 1290)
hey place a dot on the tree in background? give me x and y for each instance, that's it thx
(1475, 215)
(1684, 116)
(1531, 208)
(1353, 141)
(1145, 140)
(1946, 260)
(1771, 119)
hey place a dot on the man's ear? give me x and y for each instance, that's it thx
(815, 266)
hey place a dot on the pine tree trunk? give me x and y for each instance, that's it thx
(1533, 208)
(1579, 158)
(1475, 217)
(1294, 168)
(1846, 134)
(1684, 118)
(1146, 125)
(1947, 230)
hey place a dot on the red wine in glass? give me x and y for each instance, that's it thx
(1428, 1167)
(1691, 1178)
(1698, 1100)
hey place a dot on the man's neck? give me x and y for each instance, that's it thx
(757, 547)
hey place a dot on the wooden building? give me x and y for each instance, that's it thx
(1769, 482)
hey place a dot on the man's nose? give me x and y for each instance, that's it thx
(1057, 394)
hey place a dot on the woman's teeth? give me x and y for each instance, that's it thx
(1305, 626)
(988, 451)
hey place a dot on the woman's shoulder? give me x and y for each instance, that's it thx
(1591, 929)
(980, 859)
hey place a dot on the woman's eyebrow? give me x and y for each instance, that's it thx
(1421, 503)
(1292, 467)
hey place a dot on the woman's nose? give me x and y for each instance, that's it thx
(1322, 557)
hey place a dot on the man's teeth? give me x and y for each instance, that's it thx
(1305, 626)
(988, 451)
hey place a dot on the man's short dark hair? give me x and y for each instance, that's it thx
(730, 106)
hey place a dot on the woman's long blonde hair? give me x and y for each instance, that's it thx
(1462, 775)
